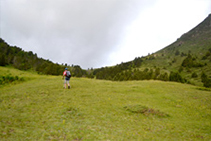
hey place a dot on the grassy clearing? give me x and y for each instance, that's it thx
(40, 109)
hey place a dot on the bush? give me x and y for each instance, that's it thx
(207, 83)
(9, 79)
(203, 77)
(164, 77)
(191, 62)
(176, 77)
(205, 80)
(206, 55)
(194, 75)
(180, 69)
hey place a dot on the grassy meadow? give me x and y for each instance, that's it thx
(40, 109)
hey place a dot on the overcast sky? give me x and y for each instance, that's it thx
(97, 33)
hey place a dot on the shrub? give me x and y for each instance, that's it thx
(176, 77)
(164, 77)
(180, 69)
(177, 53)
(9, 79)
(203, 77)
(206, 55)
(190, 61)
(207, 83)
(194, 75)
(205, 80)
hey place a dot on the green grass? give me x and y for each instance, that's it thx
(40, 109)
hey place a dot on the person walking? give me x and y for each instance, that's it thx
(66, 75)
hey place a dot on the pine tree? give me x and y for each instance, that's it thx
(2, 60)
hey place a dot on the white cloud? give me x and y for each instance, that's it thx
(96, 33)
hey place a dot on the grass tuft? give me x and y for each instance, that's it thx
(145, 110)
(203, 89)
(71, 113)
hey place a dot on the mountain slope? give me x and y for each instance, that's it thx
(185, 60)
(196, 43)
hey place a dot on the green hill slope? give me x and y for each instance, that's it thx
(40, 109)
(197, 43)
(184, 61)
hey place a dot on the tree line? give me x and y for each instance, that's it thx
(22, 60)
(130, 71)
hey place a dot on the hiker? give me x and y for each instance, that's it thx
(67, 76)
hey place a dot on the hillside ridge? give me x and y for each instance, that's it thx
(186, 60)
(200, 32)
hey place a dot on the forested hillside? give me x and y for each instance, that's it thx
(187, 60)
(22, 60)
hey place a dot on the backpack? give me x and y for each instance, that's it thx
(68, 74)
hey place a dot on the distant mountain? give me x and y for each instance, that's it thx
(197, 40)
(187, 60)
(191, 53)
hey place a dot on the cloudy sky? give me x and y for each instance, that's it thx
(97, 33)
